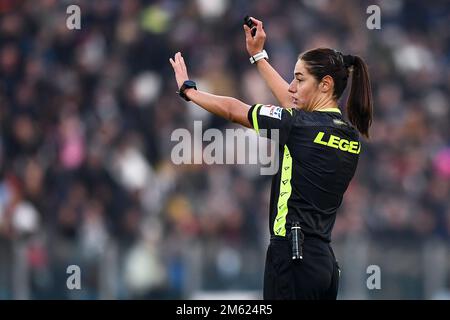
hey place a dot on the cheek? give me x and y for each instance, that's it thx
(305, 91)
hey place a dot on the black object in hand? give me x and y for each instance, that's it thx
(250, 24)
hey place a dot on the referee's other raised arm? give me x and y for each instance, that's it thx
(226, 107)
(274, 81)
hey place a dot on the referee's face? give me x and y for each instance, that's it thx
(303, 88)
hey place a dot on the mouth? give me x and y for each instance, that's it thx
(294, 100)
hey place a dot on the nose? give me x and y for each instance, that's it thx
(292, 87)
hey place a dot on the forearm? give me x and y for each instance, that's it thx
(276, 83)
(226, 107)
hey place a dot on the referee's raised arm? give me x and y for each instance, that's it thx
(226, 107)
(276, 83)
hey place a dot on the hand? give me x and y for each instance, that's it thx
(256, 44)
(179, 67)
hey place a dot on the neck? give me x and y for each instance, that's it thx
(324, 103)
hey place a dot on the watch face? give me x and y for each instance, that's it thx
(190, 84)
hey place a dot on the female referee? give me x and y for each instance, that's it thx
(318, 152)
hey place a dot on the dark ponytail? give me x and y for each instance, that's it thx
(324, 61)
(359, 103)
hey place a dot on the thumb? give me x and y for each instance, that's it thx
(247, 32)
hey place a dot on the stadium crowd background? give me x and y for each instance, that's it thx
(86, 115)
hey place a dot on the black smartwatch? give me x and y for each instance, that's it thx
(188, 84)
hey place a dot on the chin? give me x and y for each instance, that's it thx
(299, 105)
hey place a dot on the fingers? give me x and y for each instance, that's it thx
(259, 27)
(180, 61)
(183, 64)
(177, 62)
(177, 57)
(247, 32)
(174, 64)
(179, 68)
(257, 22)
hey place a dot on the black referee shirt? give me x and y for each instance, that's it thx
(318, 156)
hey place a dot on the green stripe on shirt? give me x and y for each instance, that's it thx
(255, 117)
(279, 226)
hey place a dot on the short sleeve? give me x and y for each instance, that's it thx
(271, 121)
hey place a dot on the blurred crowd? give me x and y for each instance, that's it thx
(86, 118)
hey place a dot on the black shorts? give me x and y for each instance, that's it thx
(315, 277)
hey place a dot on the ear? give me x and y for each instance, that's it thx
(327, 84)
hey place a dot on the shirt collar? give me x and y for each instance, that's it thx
(330, 110)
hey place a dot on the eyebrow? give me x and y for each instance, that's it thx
(298, 73)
